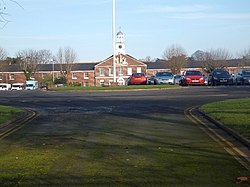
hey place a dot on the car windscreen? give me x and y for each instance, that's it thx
(246, 72)
(164, 74)
(221, 74)
(194, 73)
(29, 85)
(138, 74)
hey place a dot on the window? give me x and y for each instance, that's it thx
(101, 71)
(86, 84)
(102, 82)
(129, 71)
(86, 75)
(120, 71)
(111, 71)
(1, 76)
(12, 76)
(74, 75)
(138, 69)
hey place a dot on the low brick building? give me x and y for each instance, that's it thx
(102, 73)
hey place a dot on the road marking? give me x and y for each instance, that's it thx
(235, 152)
(21, 124)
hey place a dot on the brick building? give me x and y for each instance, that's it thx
(102, 73)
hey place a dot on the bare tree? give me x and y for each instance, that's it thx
(4, 15)
(45, 56)
(176, 58)
(3, 54)
(3, 62)
(29, 60)
(66, 58)
(246, 57)
(215, 59)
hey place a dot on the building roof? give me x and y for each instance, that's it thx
(49, 67)
(162, 64)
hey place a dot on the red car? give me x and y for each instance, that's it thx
(137, 78)
(192, 77)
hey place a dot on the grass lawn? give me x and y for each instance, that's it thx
(8, 113)
(234, 114)
(149, 149)
(96, 88)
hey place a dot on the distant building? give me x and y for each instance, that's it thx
(102, 73)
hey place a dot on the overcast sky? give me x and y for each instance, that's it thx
(150, 26)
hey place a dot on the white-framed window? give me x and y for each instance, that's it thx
(130, 71)
(86, 84)
(12, 76)
(74, 75)
(111, 71)
(86, 75)
(101, 71)
(120, 71)
(102, 82)
(1, 76)
(138, 69)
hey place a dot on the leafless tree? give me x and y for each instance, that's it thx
(148, 59)
(176, 58)
(215, 59)
(246, 57)
(4, 15)
(66, 58)
(3, 54)
(29, 60)
(45, 56)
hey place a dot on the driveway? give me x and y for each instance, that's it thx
(134, 138)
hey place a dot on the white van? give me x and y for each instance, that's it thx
(17, 86)
(31, 85)
(5, 86)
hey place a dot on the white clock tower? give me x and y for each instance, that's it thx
(120, 44)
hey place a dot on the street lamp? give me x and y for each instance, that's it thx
(53, 69)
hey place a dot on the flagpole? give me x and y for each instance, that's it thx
(114, 51)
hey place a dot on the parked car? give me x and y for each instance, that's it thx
(206, 80)
(17, 86)
(137, 78)
(220, 77)
(177, 78)
(242, 77)
(5, 86)
(164, 78)
(192, 77)
(151, 80)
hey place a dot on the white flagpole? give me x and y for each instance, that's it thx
(114, 34)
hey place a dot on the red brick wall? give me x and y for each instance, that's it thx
(18, 78)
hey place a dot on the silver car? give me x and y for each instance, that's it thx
(164, 78)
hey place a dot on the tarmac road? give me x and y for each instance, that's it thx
(63, 112)
(127, 102)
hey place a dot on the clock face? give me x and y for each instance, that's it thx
(120, 46)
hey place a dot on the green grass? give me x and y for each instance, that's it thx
(95, 88)
(9, 113)
(115, 150)
(234, 114)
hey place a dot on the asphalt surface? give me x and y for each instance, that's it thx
(123, 102)
(62, 112)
